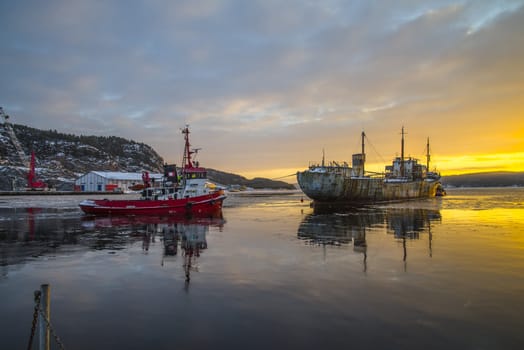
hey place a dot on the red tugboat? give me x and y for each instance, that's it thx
(188, 194)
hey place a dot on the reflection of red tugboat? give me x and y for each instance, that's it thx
(190, 237)
(181, 236)
(189, 194)
(214, 219)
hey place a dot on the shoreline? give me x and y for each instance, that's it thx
(54, 193)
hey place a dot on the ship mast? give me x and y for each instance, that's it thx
(402, 155)
(428, 156)
(187, 153)
(363, 153)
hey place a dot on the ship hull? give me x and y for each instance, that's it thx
(329, 187)
(200, 206)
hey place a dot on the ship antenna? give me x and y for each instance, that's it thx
(363, 153)
(195, 151)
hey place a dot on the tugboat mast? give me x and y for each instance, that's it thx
(187, 153)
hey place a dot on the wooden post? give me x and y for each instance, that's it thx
(45, 303)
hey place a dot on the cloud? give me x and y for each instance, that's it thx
(282, 80)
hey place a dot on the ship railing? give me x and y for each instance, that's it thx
(330, 165)
(332, 170)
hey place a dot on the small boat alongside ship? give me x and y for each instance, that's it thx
(189, 193)
(405, 178)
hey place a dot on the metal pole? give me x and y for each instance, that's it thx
(402, 170)
(45, 303)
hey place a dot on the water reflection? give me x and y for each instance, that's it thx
(410, 222)
(407, 224)
(28, 234)
(185, 237)
(349, 226)
(336, 228)
(190, 236)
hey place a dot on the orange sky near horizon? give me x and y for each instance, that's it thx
(458, 165)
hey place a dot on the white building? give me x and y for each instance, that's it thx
(99, 181)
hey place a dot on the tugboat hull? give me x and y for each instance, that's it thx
(200, 206)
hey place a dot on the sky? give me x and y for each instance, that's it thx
(267, 87)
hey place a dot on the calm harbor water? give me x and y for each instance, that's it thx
(271, 273)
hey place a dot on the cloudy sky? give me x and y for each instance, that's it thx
(267, 85)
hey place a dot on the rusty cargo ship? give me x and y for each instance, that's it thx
(405, 178)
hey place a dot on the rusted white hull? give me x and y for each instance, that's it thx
(337, 186)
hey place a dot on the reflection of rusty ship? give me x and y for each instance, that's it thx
(404, 179)
(343, 225)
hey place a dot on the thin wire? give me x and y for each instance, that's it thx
(281, 177)
(375, 150)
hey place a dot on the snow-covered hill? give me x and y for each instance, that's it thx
(61, 158)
